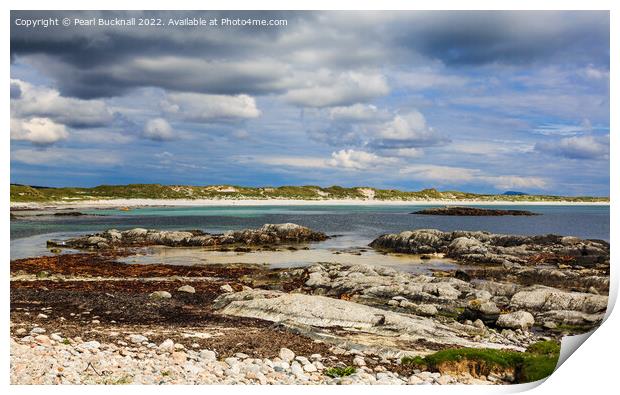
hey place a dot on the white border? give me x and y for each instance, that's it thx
(592, 369)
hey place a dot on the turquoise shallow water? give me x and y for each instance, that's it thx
(358, 224)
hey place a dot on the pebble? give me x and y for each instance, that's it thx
(286, 354)
(167, 346)
(43, 340)
(226, 288)
(164, 364)
(91, 345)
(179, 357)
(56, 337)
(160, 295)
(208, 355)
(137, 339)
(188, 289)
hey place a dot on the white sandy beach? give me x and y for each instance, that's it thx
(281, 202)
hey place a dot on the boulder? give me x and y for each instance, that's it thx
(483, 310)
(160, 295)
(517, 320)
(187, 289)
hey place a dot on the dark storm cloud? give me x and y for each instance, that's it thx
(514, 37)
(89, 62)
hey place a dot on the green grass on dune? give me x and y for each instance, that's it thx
(538, 362)
(24, 193)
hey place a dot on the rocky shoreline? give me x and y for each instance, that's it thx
(86, 318)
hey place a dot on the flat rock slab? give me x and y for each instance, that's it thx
(325, 312)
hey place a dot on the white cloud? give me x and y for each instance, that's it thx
(29, 101)
(343, 159)
(578, 147)
(593, 73)
(291, 161)
(558, 129)
(326, 89)
(510, 182)
(198, 107)
(358, 160)
(40, 131)
(158, 129)
(406, 131)
(356, 112)
(440, 173)
(460, 175)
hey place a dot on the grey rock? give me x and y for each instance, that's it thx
(540, 298)
(286, 355)
(516, 320)
(160, 295)
(320, 311)
(187, 288)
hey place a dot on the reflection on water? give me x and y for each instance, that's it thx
(288, 258)
(345, 249)
(356, 226)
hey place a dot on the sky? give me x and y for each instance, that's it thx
(474, 101)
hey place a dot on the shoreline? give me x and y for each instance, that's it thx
(111, 203)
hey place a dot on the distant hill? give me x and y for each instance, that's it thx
(515, 193)
(25, 193)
